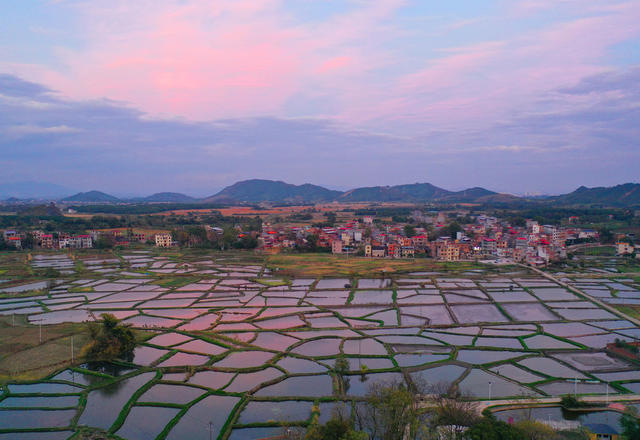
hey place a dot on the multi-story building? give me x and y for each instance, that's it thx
(46, 241)
(623, 248)
(163, 240)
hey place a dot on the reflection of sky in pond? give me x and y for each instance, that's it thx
(151, 321)
(143, 355)
(280, 323)
(319, 347)
(483, 341)
(245, 382)
(146, 422)
(168, 339)
(433, 376)
(372, 363)
(296, 365)
(332, 283)
(518, 374)
(619, 375)
(184, 359)
(287, 411)
(274, 341)
(104, 405)
(35, 419)
(326, 322)
(477, 384)
(211, 379)
(413, 359)
(49, 401)
(170, 394)
(314, 386)
(359, 384)
(486, 356)
(195, 423)
(254, 433)
(581, 314)
(245, 359)
(529, 312)
(44, 388)
(200, 346)
(477, 313)
(543, 341)
(51, 435)
(550, 367)
(363, 346)
(561, 388)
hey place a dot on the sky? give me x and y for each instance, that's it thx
(132, 98)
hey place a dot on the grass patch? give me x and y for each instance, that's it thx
(608, 251)
(23, 357)
(316, 265)
(81, 289)
(629, 310)
(170, 282)
(271, 283)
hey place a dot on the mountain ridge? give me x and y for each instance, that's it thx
(254, 191)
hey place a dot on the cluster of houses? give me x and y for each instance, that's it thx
(46, 240)
(59, 240)
(485, 237)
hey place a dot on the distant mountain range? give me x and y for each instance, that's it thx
(627, 194)
(257, 190)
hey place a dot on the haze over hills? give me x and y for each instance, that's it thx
(33, 190)
(260, 190)
(166, 197)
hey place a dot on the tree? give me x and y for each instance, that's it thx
(110, 339)
(390, 410)
(630, 424)
(534, 430)
(229, 236)
(341, 369)
(490, 428)
(453, 408)
(409, 231)
(339, 427)
(454, 228)
(606, 236)
(331, 218)
(29, 241)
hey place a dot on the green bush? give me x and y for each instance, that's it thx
(110, 340)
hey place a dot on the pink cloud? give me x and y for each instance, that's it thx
(236, 58)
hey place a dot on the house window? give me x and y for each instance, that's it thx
(604, 437)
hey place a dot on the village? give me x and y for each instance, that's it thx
(443, 236)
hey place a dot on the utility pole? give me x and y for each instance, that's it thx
(210, 430)
(490, 390)
(40, 327)
(72, 349)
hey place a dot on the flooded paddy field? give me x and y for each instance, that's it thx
(240, 346)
